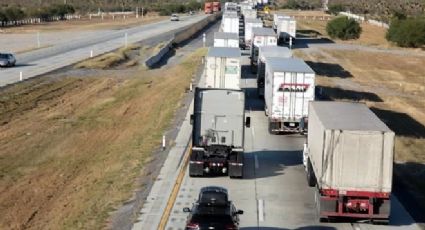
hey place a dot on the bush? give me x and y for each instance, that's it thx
(343, 28)
(13, 13)
(336, 8)
(407, 33)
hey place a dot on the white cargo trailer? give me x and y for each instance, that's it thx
(349, 158)
(222, 39)
(230, 23)
(223, 68)
(261, 37)
(251, 23)
(277, 17)
(263, 53)
(289, 87)
(249, 13)
(286, 29)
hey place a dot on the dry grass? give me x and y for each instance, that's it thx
(86, 24)
(109, 60)
(72, 147)
(316, 13)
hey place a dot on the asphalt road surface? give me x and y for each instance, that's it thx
(37, 62)
(273, 193)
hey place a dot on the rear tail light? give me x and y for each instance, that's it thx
(192, 226)
(230, 227)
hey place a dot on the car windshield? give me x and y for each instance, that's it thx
(174, 15)
(4, 56)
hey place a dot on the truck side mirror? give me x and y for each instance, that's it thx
(191, 119)
(186, 209)
(239, 212)
(248, 122)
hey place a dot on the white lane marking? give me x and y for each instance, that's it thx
(260, 210)
(256, 162)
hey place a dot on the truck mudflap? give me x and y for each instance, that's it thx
(352, 204)
(253, 66)
(236, 163)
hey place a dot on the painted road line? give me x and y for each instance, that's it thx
(175, 191)
(260, 210)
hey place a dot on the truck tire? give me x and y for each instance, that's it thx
(236, 171)
(311, 179)
(271, 128)
(195, 169)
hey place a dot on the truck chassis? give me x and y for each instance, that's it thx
(216, 160)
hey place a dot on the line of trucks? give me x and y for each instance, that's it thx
(348, 154)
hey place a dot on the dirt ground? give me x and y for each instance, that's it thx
(73, 145)
(393, 86)
(119, 22)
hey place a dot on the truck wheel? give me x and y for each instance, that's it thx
(236, 171)
(271, 128)
(196, 169)
(311, 179)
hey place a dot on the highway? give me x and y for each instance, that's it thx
(273, 193)
(37, 62)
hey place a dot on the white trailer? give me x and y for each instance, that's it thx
(266, 52)
(230, 24)
(223, 68)
(251, 23)
(349, 158)
(289, 87)
(286, 29)
(249, 13)
(222, 39)
(261, 37)
(277, 17)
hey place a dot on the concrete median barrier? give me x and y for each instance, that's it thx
(179, 37)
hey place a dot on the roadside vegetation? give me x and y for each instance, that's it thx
(407, 32)
(343, 28)
(14, 13)
(72, 147)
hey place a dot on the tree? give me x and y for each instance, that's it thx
(409, 32)
(343, 28)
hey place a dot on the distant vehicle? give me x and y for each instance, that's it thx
(174, 17)
(191, 13)
(208, 8)
(7, 60)
(216, 7)
(213, 210)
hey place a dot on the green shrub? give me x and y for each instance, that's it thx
(343, 28)
(336, 8)
(407, 33)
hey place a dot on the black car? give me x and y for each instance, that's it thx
(213, 211)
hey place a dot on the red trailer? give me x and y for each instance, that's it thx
(216, 7)
(208, 9)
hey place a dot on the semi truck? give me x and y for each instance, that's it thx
(288, 88)
(250, 23)
(230, 23)
(277, 18)
(261, 37)
(263, 53)
(218, 123)
(208, 7)
(223, 68)
(286, 29)
(216, 7)
(348, 158)
(222, 39)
